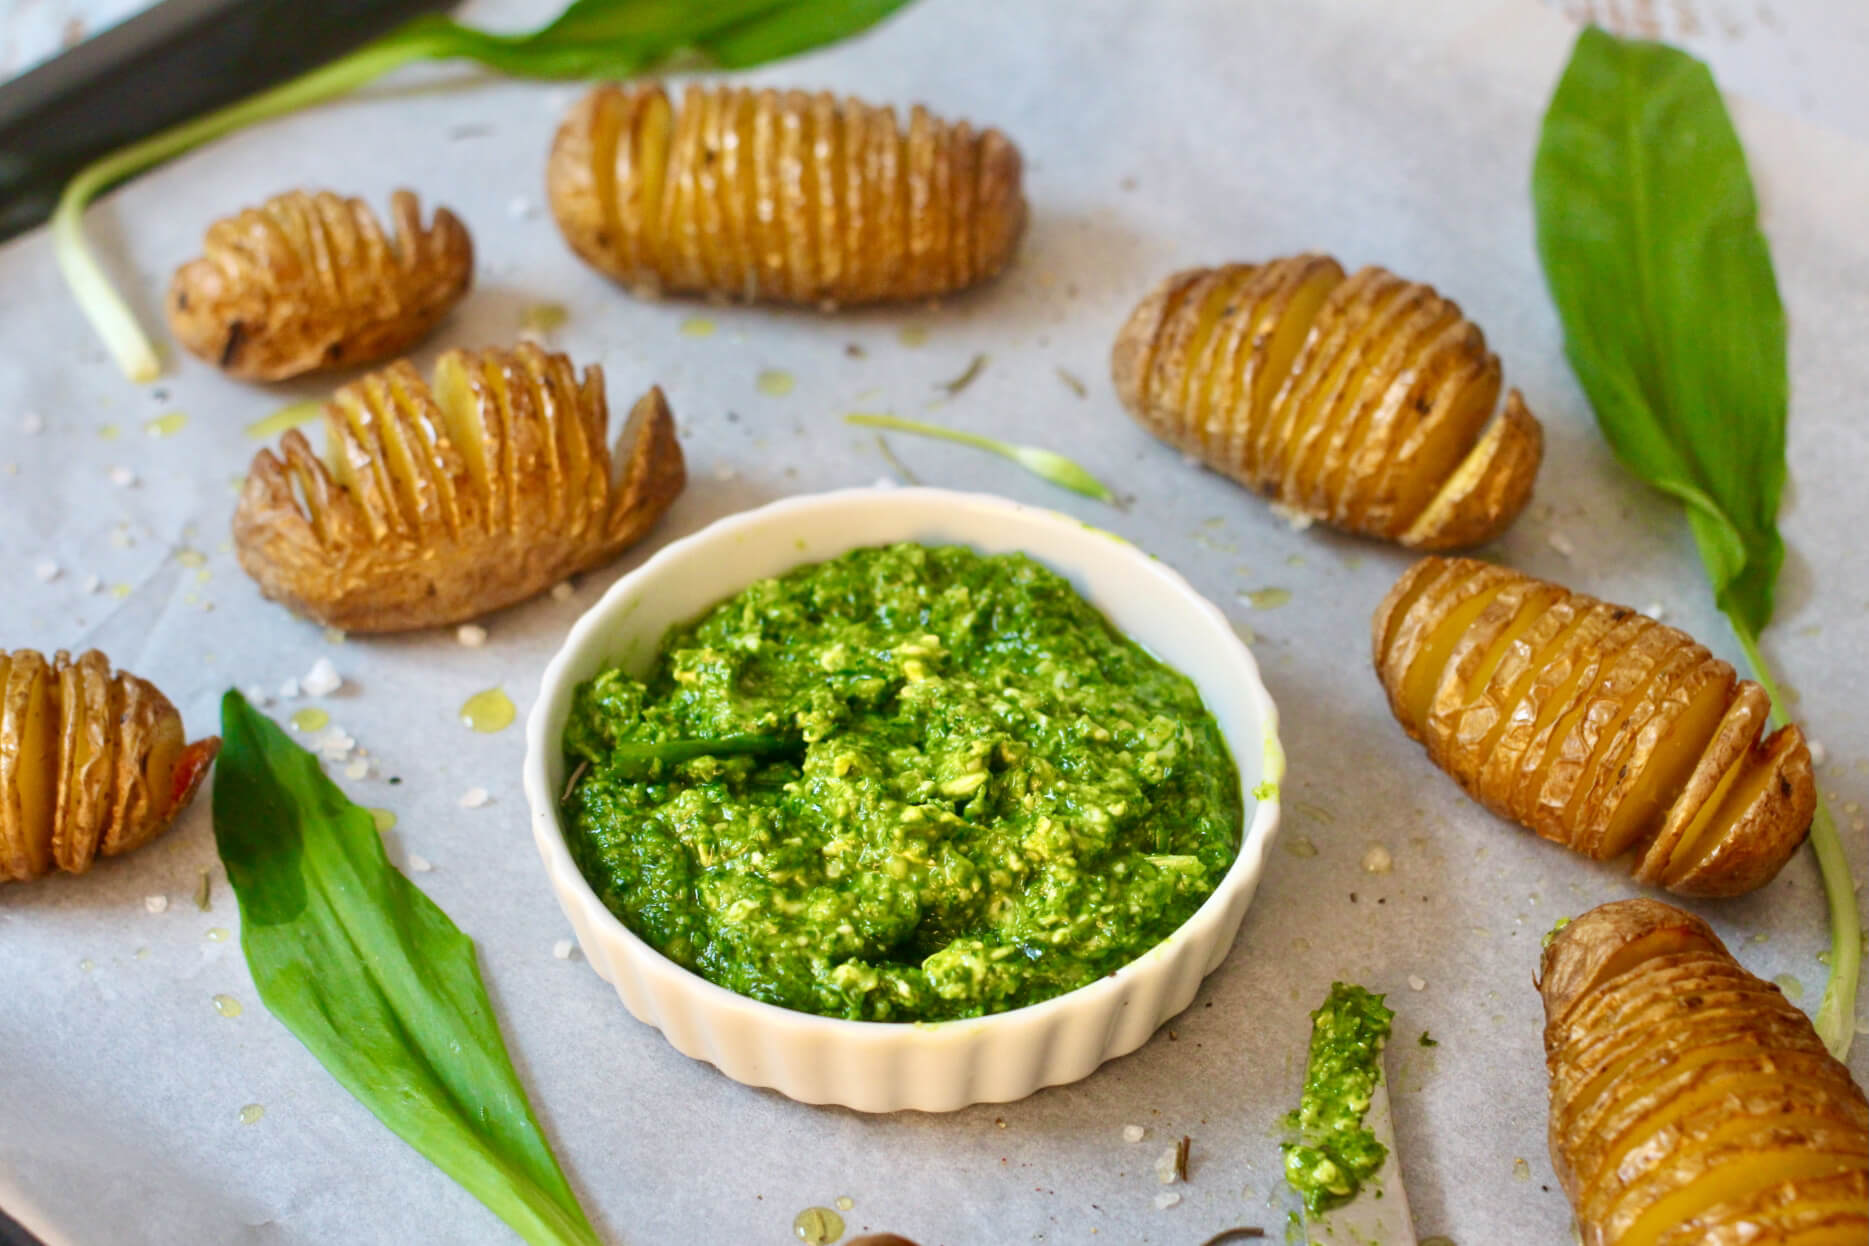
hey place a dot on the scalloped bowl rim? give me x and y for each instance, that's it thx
(610, 945)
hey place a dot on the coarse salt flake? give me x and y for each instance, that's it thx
(520, 208)
(474, 798)
(562, 591)
(156, 904)
(91, 584)
(471, 635)
(33, 423)
(1417, 983)
(1134, 1133)
(322, 679)
(562, 949)
(357, 769)
(1656, 611)
(1561, 543)
(45, 570)
(122, 477)
(1819, 754)
(1166, 1199)
(418, 864)
(289, 689)
(1165, 1167)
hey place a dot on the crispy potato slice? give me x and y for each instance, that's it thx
(1689, 1101)
(783, 196)
(309, 282)
(1593, 725)
(1364, 401)
(91, 763)
(443, 502)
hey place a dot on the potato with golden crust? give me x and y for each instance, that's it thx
(92, 763)
(1363, 401)
(1594, 725)
(439, 502)
(781, 196)
(309, 283)
(1690, 1103)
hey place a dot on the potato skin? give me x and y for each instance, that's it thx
(307, 282)
(781, 196)
(1363, 401)
(1676, 1073)
(444, 501)
(92, 763)
(1593, 725)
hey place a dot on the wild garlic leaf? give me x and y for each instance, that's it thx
(1648, 232)
(375, 980)
(1045, 464)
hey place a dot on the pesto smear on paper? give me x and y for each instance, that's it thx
(1334, 1153)
(978, 794)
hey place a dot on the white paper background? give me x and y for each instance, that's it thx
(1155, 136)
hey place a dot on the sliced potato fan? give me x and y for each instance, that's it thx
(436, 503)
(309, 282)
(1365, 401)
(783, 196)
(91, 763)
(1594, 725)
(1690, 1102)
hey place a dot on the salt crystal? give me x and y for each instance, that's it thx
(322, 679)
(1166, 1199)
(46, 570)
(473, 798)
(91, 584)
(336, 744)
(289, 689)
(1165, 1167)
(724, 473)
(257, 696)
(33, 423)
(122, 477)
(1561, 543)
(357, 769)
(562, 949)
(156, 904)
(1416, 983)
(1819, 755)
(419, 865)
(1134, 1133)
(1656, 611)
(1295, 519)
(520, 208)
(562, 591)
(471, 635)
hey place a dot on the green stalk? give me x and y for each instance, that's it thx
(1836, 1016)
(101, 303)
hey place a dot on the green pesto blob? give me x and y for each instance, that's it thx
(971, 793)
(1333, 1154)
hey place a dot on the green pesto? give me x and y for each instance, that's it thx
(1334, 1154)
(991, 797)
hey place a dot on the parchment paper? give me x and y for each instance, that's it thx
(1156, 136)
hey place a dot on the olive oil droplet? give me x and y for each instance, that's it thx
(1300, 846)
(109, 432)
(775, 383)
(1267, 598)
(488, 711)
(384, 819)
(311, 718)
(217, 934)
(285, 417)
(845, 1202)
(697, 326)
(912, 334)
(817, 1226)
(86, 965)
(166, 425)
(250, 1114)
(1793, 989)
(227, 1006)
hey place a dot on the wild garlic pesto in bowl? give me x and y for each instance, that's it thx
(909, 783)
(885, 1066)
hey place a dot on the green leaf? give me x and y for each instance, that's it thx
(1648, 231)
(375, 980)
(1045, 464)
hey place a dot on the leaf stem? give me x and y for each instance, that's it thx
(102, 305)
(1836, 1016)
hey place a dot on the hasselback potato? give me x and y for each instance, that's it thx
(1365, 402)
(308, 282)
(1691, 1105)
(91, 762)
(782, 196)
(436, 503)
(1594, 725)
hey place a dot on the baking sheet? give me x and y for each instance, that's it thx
(1155, 137)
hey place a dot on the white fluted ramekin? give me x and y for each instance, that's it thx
(883, 1066)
